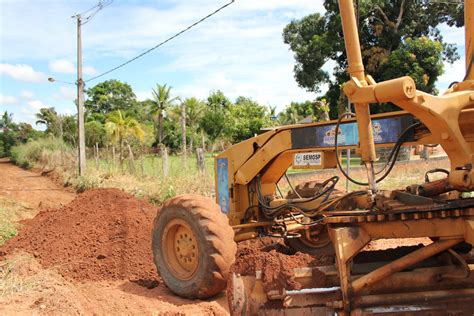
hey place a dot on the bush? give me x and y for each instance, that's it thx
(45, 151)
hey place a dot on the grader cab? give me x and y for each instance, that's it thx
(194, 238)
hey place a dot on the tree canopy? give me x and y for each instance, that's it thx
(109, 96)
(397, 38)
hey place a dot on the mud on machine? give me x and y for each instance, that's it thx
(194, 238)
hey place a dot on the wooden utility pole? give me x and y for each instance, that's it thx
(80, 103)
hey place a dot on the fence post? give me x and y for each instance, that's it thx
(201, 161)
(132, 159)
(114, 159)
(96, 147)
(165, 162)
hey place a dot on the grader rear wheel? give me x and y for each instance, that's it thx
(316, 241)
(193, 246)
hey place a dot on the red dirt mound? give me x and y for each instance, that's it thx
(277, 267)
(103, 234)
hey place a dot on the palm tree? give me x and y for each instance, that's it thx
(161, 102)
(6, 121)
(49, 118)
(120, 127)
(194, 113)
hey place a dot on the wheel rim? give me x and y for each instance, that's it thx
(180, 249)
(317, 237)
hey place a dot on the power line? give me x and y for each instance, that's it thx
(163, 42)
(99, 6)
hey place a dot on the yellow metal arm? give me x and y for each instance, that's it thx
(441, 114)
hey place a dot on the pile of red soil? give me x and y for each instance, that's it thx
(277, 265)
(103, 234)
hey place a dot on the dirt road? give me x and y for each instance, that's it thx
(30, 188)
(29, 288)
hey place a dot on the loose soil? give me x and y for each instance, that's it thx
(276, 263)
(103, 234)
(91, 256)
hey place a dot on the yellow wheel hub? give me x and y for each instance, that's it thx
(180, 249)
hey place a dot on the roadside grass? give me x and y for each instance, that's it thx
(13, 279)
(47, 152)
(10, 213)
(145, 178)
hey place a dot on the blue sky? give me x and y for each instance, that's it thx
(239, 51)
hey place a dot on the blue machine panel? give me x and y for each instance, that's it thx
(385, 131)
(223, 184)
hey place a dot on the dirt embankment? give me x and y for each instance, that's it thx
(103, 234)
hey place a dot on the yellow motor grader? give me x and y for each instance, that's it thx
(194, 238)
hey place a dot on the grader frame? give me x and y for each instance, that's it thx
(193, 237)
(446, 120)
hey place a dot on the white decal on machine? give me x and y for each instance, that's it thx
(307, 159)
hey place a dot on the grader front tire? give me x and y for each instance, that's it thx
(193, 246)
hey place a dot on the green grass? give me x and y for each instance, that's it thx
(145, 179)
(48, 151)
(152, 165)
(10, 213)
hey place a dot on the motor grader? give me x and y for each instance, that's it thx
(194, 238)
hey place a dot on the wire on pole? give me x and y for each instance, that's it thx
(163, 42)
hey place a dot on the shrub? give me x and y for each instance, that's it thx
(49, 152)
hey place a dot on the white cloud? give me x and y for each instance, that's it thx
(25, 94)
(8, 100)
(22, 72)
(65, 66)
(65, 93)
(454, 72)
(89, 70)
(143, 95)
(36, 105)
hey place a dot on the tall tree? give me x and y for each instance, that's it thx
(194, 113)
(385, 27)
(297, 111)
(216, 118)
(162, 100)
(249, 117)
(109, 96)
(120, 127)
(50, 119)
(6, 121)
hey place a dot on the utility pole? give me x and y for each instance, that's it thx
(80, 102)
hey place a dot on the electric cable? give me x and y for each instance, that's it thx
(163, 42)
(393, 155)
(102, 4)
(291, 186)
(435, 170)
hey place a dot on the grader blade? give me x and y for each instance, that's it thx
(246, 296)
(451, 289)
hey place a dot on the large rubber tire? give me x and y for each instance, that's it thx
(306, 190)
(193, 246)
